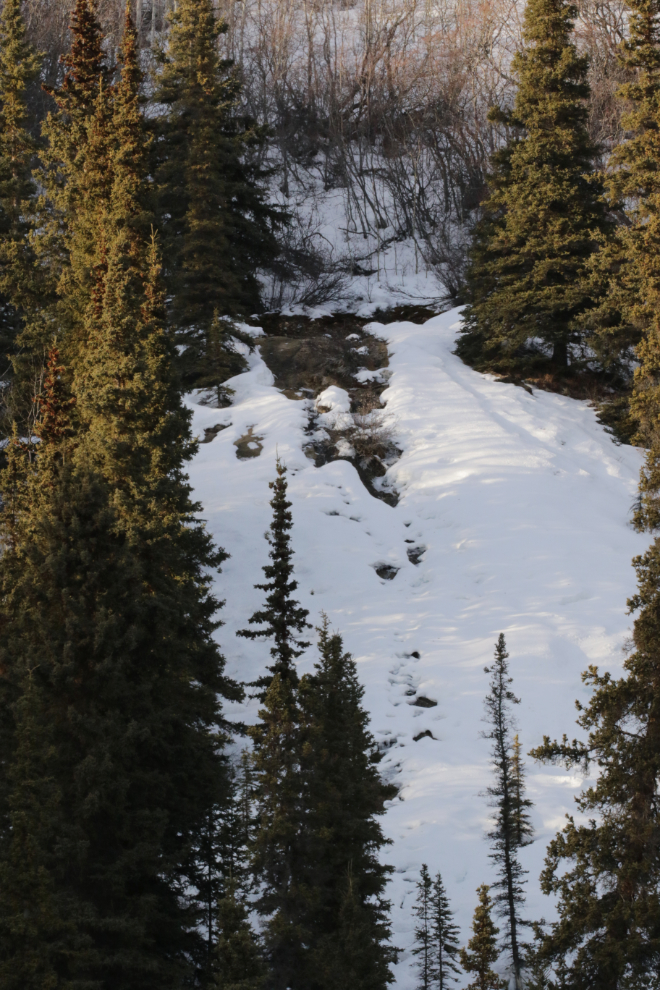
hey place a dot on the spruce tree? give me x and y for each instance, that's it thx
(278, 861)
(512, 827)
(605, 869)
(445, 937)
(283, 615)
(19, 66)
(536, 975)
(75, 175)
(522, 827)
(316, 850)
(130, 147)
(349, 957)
(238, 961)
(50, 932)
(238, 826)
(76, 161)
(226, 846)
(31, 919)
(128, 680)
(222, 360)
(105, 600)
(481, 950)
(216, 843)
(436, 941)
(630, 271)
(528, 273)
(217, 226)
(344, 797)
(423, 937)
(85, 64)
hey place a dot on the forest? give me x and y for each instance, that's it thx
(411, 250)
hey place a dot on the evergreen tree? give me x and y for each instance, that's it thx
(352, 957)
(19, 66)
(278, 860)
(423, 931)
(129, 149)
(105, 595)
(215, 844)
(512, 826)
(522, 827)
(629, 271)
(244, 802)
(226, 845)
(278, 848)
(85, 64)
(47, 933)
(481, 950)
(128, 679)
(239, 826)
(445, 937)
(344, 797)
(221, 358)
(238, 962)
(283, 615)
(217, 227)
(528, 274)
(436, 941)
(536, 975)
(316, 850)
(30, 919)
(75, 175)
(606, 869)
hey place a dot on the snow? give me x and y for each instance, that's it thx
(380, 267)
(522, 502)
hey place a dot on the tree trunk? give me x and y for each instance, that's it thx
(560, 353)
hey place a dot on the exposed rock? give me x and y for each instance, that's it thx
(386, 571)
(249, 445)
(314, 363)
(211, 432)
(423, 702)
(427, 734)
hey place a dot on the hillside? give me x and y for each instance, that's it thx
(518, 506)
(403, 257)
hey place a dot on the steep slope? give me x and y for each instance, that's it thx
(521, 503)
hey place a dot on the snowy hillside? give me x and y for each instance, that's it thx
(522, 504)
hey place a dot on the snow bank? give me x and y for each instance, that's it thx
(520, 504)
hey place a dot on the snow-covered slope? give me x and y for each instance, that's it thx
(522, 502)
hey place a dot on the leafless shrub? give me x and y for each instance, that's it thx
(305, 274)
(371, 437)
(600, 30)
(388, 101)
(385, 100)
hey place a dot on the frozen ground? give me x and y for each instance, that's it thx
(522, 502)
